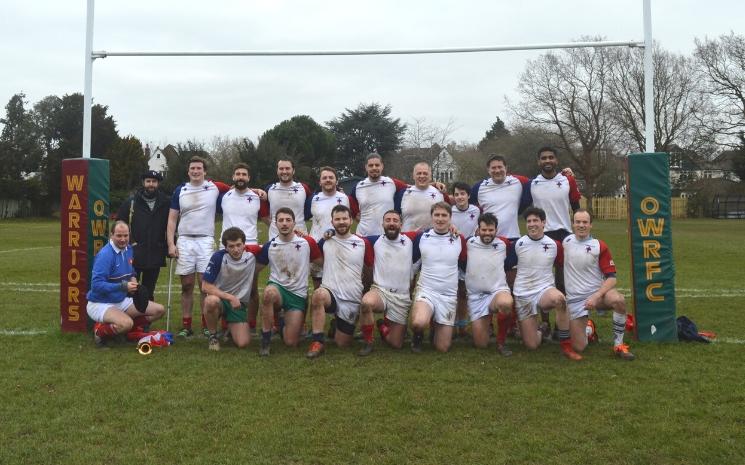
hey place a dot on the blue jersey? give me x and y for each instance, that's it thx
(111, 267)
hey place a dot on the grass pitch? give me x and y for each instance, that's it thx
(62, 401)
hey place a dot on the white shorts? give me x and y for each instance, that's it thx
(443, 306)
(194, 254)
(347, 310)
(576, 307)
(96, 310)
(527, 306)
(478, 304)
(396, 306)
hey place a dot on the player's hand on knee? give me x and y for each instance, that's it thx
(234, 302)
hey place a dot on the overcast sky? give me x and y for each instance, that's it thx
(169, 100)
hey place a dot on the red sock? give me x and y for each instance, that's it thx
(204, 321)
(367, 333)
(566, 345)
(186, 322)
(135, 334)
(105, 330)
(140, 321)
(224, 324)
(252, 324)
(504, 322)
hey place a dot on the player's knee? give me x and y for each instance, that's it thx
(532, 343)
(158, 310)
(125, 325)
(442, 346)
(580, 345)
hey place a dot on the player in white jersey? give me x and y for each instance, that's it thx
(465, 217)
(321, 204)
(389, 293)
(442, 253)
(374, 196)
(227, 282)
(242, 208)
(590, 279)
(347, 260)
(289, 257)
(489, 256)
(193, 206)
(534, 288)
(502, 195)
(287, 193)
(415, 201)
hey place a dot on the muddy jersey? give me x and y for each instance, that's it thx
(373, 199)
(485, 270)
(416, 205)
(289, 262)
(233, 276)
(503, 201)
(586, 264)
(197, 206)
(535, 264)
(467, 221)
(295, 196)
(343, 260)
(321, 205)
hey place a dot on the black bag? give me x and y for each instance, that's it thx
(688, 331)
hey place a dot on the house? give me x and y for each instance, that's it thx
(156, 161)
(444, 167)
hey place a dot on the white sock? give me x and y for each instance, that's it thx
(619, 326)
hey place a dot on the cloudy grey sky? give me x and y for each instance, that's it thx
(162, 100)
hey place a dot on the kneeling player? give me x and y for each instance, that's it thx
(389, 292)
(535, 289)
(437, 289)
(227, 283)
(590, 280)
(113, 282)
(486, 282)
(346, 259)
(289, 257)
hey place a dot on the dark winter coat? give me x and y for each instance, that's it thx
(147, 229)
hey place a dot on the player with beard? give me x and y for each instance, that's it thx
(287, 193)
(321, 205)
(347, 259)
(374, 196)
(535, 288)
(146, 213)
(389, 293)
(489, 257)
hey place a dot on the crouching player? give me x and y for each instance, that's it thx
(535, 288)
(590, 280)
(486, 283)
(113, 282)
(346, 259)
(227, 283)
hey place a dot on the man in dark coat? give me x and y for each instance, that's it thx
(146, 212)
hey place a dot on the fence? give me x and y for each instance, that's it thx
(728, 206)
(611, 208)
(12, 208)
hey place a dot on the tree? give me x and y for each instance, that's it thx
(178, 163)
(127, 162)
(20, 150)
(722, 64)
(363, 130)
(738, 161)
(497, 131)
(520, 148)
(426, 140)
(680, 106)
(566, 93)
(225, 153)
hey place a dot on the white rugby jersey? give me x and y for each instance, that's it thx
(233, 276)
(373, 199)
(296, 197)
(485, 271)
(535, 263)
(243, 210)
(555, 196)
(393, 262)
(289, 262)
(441, 256)
(503, 201)
(343, 260)
(321, 205)
(586, 264)
(416, 205)
(467, 221)
(197, 206)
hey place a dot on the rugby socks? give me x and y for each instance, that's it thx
(504, 323)
(140, 321)
(565, 340)
(367, 333)
(619, 327)
(417, 337)
(105, 330)
(266, 338)
(252, 324)
(319, 337)
(204, 321)
(186, 322)
(224, 325)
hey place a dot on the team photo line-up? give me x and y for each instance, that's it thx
(421, 258)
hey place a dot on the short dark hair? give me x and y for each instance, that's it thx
(583, 210)
(233, 234)
(329, 169)
(373, 155)
(394, 212)
(534, 211)
(547, 148)
(285, 210)
(495, 157)
(442, 206)
(488, 218)
(196, 159)
(292, 163)
(462, 186)
(341, 208)
(242, 166)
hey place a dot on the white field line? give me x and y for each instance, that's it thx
(22, 332)
(29, 248)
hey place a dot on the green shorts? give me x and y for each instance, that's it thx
(234, 315)
(290, 301)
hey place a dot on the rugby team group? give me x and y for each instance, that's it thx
(423, 259)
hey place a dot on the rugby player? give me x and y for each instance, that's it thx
(374, 196)
(287, 192)
(465, 219)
